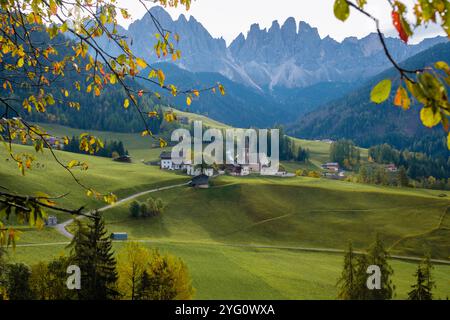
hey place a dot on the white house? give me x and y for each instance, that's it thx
(166, 161)
(169, 163)
(268, 171)
(245, 170)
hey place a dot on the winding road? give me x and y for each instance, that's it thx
(61, 228)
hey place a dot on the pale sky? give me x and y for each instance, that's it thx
(228, 18)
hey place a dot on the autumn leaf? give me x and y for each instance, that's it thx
(141, 63)
(401, 99)
(188, 100)
(161, 77)
(448, 141)
(162, 143)
(430, 118)
(222, 89)
(381, 91)
(126, 103)
(72, 164)
(399, 24)
(341, 10)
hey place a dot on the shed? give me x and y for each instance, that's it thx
(124, 159)
(200, 181)
(119, 236)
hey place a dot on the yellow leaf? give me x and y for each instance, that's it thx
(429, 117)
(126, 103)
(222, 89)
(141, 63)
(162, 143)
(161, 77)
(72, 164)
(113, 79)
(448, 141)
(188, 100)
(196, 93)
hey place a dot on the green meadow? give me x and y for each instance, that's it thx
(243, 237)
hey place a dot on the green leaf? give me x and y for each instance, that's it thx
(341, 10)
(381, 91)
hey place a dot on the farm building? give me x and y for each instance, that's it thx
(51, 221)
(119, 236)
(391, 168)
(168, 163)
(331, 166)
(200, 181)
(123, 159)
(237, 169)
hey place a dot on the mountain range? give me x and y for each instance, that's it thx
(273, 75)
(291, 55)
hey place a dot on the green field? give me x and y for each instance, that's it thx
(216, 230)
(223, 272)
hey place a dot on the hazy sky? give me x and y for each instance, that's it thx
(228, 18)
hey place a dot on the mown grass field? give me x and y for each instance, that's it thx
(200, 225)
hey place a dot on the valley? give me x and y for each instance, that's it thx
(241, 225)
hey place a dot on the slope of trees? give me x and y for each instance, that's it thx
(355, 117)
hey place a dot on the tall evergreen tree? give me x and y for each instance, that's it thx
(92, 252)
(422, 289)
(144, 288)
(378, 256)
(3, 266)
(427, 268)
(362, 292)
(347, 282)
(402, 177)
(18, 285)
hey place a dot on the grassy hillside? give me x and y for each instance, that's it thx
(224, 272)
(292, 212)
(104, 175)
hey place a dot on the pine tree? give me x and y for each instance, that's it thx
(378, 256)
(362, 292)
(144, 288)
(92, 252)
(18, 285)
(420, 291)
(427, 268)
(347, 282)
(402, 177)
